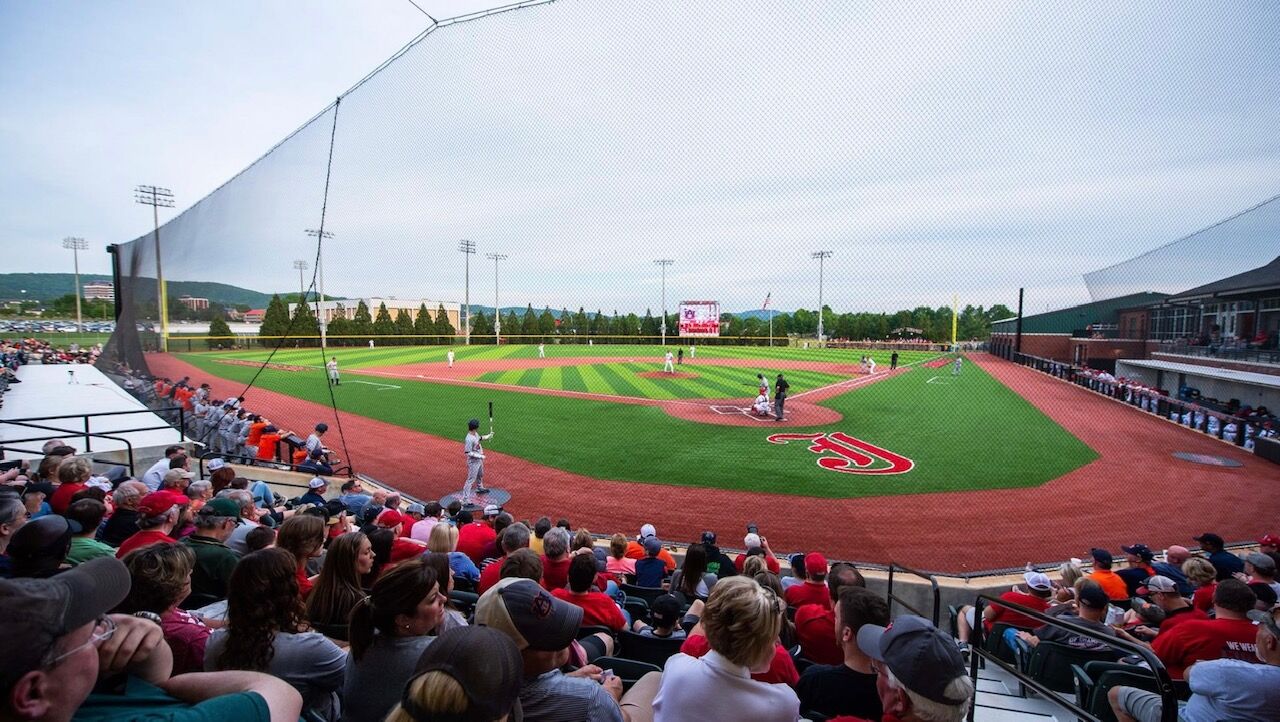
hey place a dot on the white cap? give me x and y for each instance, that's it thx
(492, 510)
(99, 482)
(317, 483)
(648, 530)
(215, 464)
(1038, 580)
(751, 541)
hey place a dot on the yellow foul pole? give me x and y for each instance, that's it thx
(954, 306)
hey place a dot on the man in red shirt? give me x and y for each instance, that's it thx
(402, 548)
(1163, 593)
(159, 513)
(1230, 635)
(474, 536)
(513, 538)
(813, 590)
(816, 623)
(598, 609)
(1034, 593)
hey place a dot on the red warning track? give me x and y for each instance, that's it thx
(1135, 492)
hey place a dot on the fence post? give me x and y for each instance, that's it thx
(87, 444)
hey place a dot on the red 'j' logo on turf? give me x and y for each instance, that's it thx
(852, 456)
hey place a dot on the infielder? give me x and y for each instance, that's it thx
(693, 351)
(669, 366)
(871, 365)
(449, 356)
(474, 452)
(332, 368)
(955, 368)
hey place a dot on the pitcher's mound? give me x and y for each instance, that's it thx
(665, 375)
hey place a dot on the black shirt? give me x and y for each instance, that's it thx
(834, 689)
(122, 525)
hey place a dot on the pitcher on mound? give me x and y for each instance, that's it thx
(474, 452)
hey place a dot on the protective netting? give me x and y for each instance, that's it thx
(1242, 242)
(584, 140)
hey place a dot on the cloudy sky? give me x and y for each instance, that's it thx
(935, 150)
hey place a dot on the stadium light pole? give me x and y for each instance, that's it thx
(821, 256)
(301, 265)
(157, 198)
(497, 313)
(320, 235)
(663, 263)
(469, 248)
(76, 245)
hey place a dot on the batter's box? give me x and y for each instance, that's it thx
(735, 410)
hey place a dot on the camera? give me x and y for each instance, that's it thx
(752, 528)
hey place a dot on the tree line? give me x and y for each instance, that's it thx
(924, 323)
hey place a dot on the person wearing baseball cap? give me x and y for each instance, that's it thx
(543, 629)
(1090, 611)
(1138, 566)
(1035, 592)
(476, 664)
(1110, 582)
(214, 560)
(59, 640)
(475, 536)
(635, 548)
(39, 548)
(1261, 568)
(1269, 544)
(814, 588)
(754, 540)
(1221, 689)
(315, 492)
(922, 675)
(159, 513)
(1164, 593)
(1225, 564)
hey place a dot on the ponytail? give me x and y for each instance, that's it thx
(360, 632)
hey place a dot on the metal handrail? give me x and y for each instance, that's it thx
(86, 433)
(19, 422)
(937, 596)
(248, 461)
(977, 647)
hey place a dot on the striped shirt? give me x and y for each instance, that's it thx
(553, 697)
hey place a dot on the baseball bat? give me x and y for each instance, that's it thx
(490, 417)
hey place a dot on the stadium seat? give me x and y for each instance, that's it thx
(1095, 679)
(646, 593)
(1050, 664)
(628, 670)
(591, 629)
(340, 632)
(637, 607)
(464, 602)
(651, 650)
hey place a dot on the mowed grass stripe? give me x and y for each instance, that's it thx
(596, 383)
(689, 388)
(551, 378)
(531, 378)
(571, 379)
(727, 381)
(511, 377)
(623, 384)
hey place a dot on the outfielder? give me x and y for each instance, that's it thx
(955, 368)
(449, 356)
(474, 452)
(332, 368)
(669, 365)
(542, 350)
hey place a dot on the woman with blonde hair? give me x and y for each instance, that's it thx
(1065, 591)
(741, 622)
(468, 673)
(1200, 572)
(444, 540)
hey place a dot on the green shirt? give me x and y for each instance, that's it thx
(214, 563)
(82, 550)
(144, 701)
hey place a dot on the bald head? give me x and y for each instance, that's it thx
(1177, 555)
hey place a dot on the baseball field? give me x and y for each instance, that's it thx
(600, 410)
(991, 467)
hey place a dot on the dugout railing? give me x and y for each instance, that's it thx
(1151, 674)
(1226, 427)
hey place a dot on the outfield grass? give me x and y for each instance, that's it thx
(624, 379)
(966, 432)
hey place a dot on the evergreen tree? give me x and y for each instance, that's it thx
(510, 325)
(546, 322)
(529, 324)
(305, 327)
(598, 327)
(361, 323)
(424, 327)
(649, 326)
(339, 328)
(220, 332)
(275, 322)
(442, 327)
(481, 328)
(382, 324)
(404, 328)
(581, 323)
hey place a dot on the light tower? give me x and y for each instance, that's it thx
(157, 198)
(663, 263)
(821, 256)
(301, 265)
(320, 235)
(469, 248)
(497, 313)
(76, 245)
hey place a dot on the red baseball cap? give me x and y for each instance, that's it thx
(1270, 540)
(390, 518)
(815, 563)
(159, 502)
